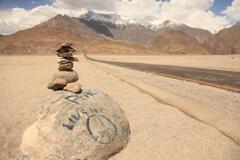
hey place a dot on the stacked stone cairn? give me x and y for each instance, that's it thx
(66, 78)
(71, 125)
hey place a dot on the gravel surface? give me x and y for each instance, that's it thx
(217, 98)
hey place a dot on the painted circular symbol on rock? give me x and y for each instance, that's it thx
(102, 129)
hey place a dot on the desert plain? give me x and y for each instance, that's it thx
(158, 130)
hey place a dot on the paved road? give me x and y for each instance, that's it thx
(227, 80)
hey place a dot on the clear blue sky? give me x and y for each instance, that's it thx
(27, 4)
(219, 5)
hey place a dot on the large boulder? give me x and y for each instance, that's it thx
(70, 126)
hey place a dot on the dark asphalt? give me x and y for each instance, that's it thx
(228, 80)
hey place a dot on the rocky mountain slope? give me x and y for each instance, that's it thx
(69, 24)
(43, 38)
(128, 30)
(118, 28)
(199, 34)
(177, 42)
(226, 41)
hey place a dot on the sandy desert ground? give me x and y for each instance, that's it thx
(222, 62)
(159, 131)
(217, 98)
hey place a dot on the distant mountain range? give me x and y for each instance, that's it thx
(120, 28)
(111, 33)
(226, 41)
(45, 37)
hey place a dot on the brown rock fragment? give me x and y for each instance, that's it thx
(57, 84)
(73, 87)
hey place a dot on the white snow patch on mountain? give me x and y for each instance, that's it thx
(108, 18)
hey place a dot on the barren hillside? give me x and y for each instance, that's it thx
(177, 42)
(227, 41)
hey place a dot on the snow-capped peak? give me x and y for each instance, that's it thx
(238, 23)
(153, 22)
(157, 24)
(168, 23)
(108, 18)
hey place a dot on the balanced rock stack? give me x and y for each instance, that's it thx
(66, 78)
(75, 123)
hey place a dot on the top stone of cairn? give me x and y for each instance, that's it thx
(65, 50)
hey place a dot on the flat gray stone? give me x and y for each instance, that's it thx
(65, 67)
(72, 59)
(65, 54)
(66, 44)
(63, 61)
